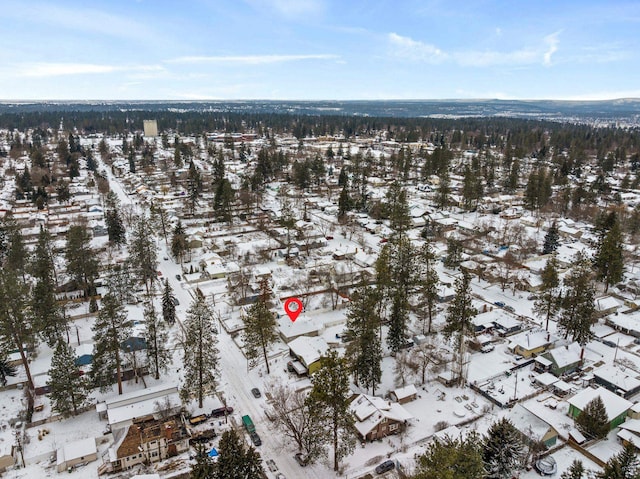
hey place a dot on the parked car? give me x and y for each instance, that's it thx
(271, 465)
(221, 411)
(386, 466)
(500, 304)
(487, 348)
(280, 476)
(256, 393)
(511, 309)
(301, 459)
(255, 439)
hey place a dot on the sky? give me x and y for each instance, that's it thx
(319, 49)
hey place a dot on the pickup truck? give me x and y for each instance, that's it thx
(198, 419)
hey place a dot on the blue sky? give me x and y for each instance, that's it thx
(319, 49)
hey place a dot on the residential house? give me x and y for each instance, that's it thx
(309, 351)
(145, 441)
(622, 381)
(532, 427)
(563, 360)
(155, 401)
(625, 323)
(377, 418)
(616, 406)
(75, 453)
(630, 433)
(404, 395)
(607, 305)
(530, 343)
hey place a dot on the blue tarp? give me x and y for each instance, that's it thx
(213, 452)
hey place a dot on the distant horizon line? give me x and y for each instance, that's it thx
(53, 100)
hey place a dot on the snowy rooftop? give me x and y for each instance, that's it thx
(527, 422)
(614, 404)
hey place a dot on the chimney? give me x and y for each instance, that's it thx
(168, 430)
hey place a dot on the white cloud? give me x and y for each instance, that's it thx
(290, 8)
(251, 59)
(44, 69)
(408, 48)
(79, 19)
(405, 47)
(552, 43)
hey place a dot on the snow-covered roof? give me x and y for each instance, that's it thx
(122, 415)
(530, 339)
(606, 303)
(405, 392)
(76, 450)
(528, 423)
(565, 355)
(309, 349)
(369, 411)
(546, 379)
(614, 404)
(625, 379)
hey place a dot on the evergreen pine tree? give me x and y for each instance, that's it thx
(458, 320)
(69, 389)
(200, 358)
(156, 337)
(48, 317)
(608, 260)
(329, 399)
(578, 304)
(364, 351)
(624, 465)
(115, 225)
(593, 420)
(82, 263)
(143, 252)
(427, 286)
(179, 243)
(168, 303)
(205, 466)
(575, 471)
(6, 370)
(260, 326)
(110, 330)
(452, 459)
(551, 239)
(503, 452)
(548, 303)
(235, 461)
(16, 329)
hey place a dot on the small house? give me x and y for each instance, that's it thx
(630, 433)
(75, 453)
(616, 406)
(530, 343)
(531, 427)
(309, 351)
(622, 381)
(563, 360)
(377, 418)
(404, 395)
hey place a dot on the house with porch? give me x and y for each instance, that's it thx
(377, 418)
(143, 442)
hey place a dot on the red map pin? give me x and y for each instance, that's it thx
(293, 308)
